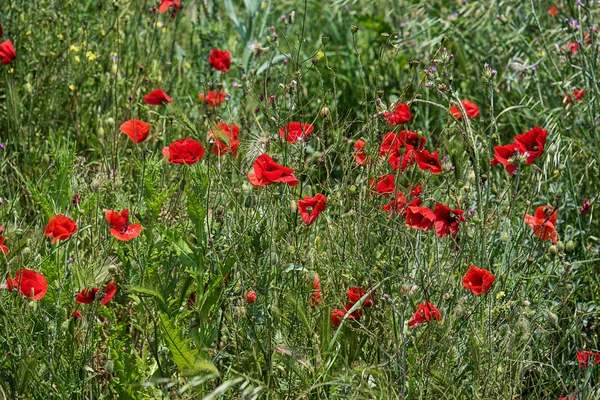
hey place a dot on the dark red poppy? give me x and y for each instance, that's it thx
(157, 98)
(220, 60)
(60, 227)
(359, 154)
(87, 296)
(390, 142)
(543, 223)
(295, 131)
(3, 248)
(213, 98)
(310, 208)
(470, 108)
(136, 130)
(337, 315)
(447, 220)
(121, 229)
(425, 312)
(573, 46)
(588, 358)
(356, 293)
(419, 218)
(553, 11)
(251, 297)
(315, 284)
(267, 171)
(414, 139)
(585, 207)
(478, 280)
(76, 314)
(428, 161)
(399, 150)
(399, 115)
(578, 94)
(166, 4)
(416, 192)
(384, 186)
(505, 155)
(7, 52)
(184, 151)
(1, 30)
(569, 397)
(531, 143)
(226, 139)
(31, 284)
(397, 204)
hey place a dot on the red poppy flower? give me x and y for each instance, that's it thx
(31, 284)
(429, 161)
(213, 98)
(226, 139)
(251, 297)
(478, 280)
(399, 115)
(310, 208)
(419, 218)
(76, 314)
(136, 130)
(413, 139)
(60, 227)
(573, 46)
(505, 155)
(585, 207)
(295, 131)
(184, 151)
(391, 142)
(220, 60)
(337, 315)
(157, 97)
(359, 155)
(315, 297)
(569, 397)
(578, 94)
(543, 223)
(356, 293)
(586, 358)
(397, 204)
(87, 296)
(0, 30)
(7, 52)
(531, 143)
(166, 4)
(384, 186)
(470, 108)
(3, 248)
(425, 312)
(553, 11)
(417, 190)
(447, 220)
(121, 229)
(267, 171)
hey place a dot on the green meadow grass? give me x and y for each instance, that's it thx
(81, 70)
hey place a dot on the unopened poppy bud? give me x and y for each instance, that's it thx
(484, 177)
(109, 367)
(26, 252)
(354, 28)
(553, 250)
(109, 121)
(317, 240)
(325, 112)
(251, 297)
(19, 233)
(101, 132)
(552, 319)
(28, 88)
(32, 305)
(570, 246)
(112, 269)
(560, 246)
(324, 40)
(291, 249)
(352, 189)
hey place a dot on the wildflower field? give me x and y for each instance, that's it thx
(299, 199)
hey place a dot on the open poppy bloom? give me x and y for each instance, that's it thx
(60, 227)
(553, 11)
(267, 171)
(136, 130)
(356, 293)
(3, 248)
(447, 220)
(587, 358)
(414, 139)
(578, 94)
(295, 131)
(400, 148)
(220, 60)
(531, 143)
(543, 223)
(311, 207)
(315, 285)
(574, 47)
(419, 218)
(184, 151)
(87, 296)
(428, 161)
(121, 229)
(470, 108)
(337, 315)
(213, 98)
(478, 280)
(384, 186)
(166, 4)
(31, 284)
(7, 52)
(585, 207)
(359, 154)
(157, 98)
(400, 114)
(506, 155)
(425, 312)
(226, 139)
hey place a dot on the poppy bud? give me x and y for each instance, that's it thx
(112, 269)
(109, 366)
(315, 61)
(352, 189)
(33, 306)
(570, 246)
(560, 246)
(354, 28)
(28, 88)
(552, 319)
(324, 40)
(553, 250)
(101, 132)
(325, 112)
(26, 252)
(251, 297)
(484, 177)
(19, 233)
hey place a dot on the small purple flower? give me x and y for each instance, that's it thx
(235, 85)
(472, 211)
(402, 24)
(283, 16)
(433, 68)
(71, 260)
(114, 58)
(1, 146)
(285, 61)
